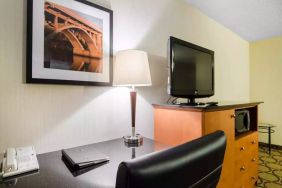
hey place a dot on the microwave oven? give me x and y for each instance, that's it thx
(242, 121)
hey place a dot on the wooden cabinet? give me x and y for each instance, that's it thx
(175, 125)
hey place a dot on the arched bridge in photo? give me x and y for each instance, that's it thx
(84, 36)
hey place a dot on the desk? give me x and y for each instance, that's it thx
(54, 172)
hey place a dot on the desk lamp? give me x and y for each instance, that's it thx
(131, 68)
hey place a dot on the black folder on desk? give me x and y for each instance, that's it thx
(82, 157)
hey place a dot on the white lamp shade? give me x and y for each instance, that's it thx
(131, 68)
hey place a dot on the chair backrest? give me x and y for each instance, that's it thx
(195, 164)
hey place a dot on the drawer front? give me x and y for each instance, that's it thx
(247, 177)
(248, 158)
(246, 146)
(246, 169)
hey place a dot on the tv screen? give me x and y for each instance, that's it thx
(191, 70)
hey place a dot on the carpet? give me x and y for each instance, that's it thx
(270, 168)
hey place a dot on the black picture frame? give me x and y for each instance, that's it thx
(30, 79)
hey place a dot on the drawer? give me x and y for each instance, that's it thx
(246, 146)
(247, 180)
(246, 173)
(242, 170)
(248, 165)
(247, 157)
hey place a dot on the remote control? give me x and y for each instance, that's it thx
(212, 103)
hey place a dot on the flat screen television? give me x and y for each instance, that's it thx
(191, 70)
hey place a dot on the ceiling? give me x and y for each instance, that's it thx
(251, 19)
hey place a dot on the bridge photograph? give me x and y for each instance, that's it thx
(72, 40)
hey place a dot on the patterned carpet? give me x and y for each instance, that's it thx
(270, 168)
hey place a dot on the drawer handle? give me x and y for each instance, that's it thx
(242, 148)
(254, 142)
(253, 178)
(233, 116)
(254, 160)
(242, 169)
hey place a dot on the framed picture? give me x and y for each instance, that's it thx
(69, 42)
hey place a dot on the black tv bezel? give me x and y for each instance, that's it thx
(190, 94)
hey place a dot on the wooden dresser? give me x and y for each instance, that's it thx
(175, 124)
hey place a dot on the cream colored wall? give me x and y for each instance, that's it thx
(52, 117)
(266, 77)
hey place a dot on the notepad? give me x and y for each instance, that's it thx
(81, 157)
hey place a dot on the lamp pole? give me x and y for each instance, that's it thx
(133, 95)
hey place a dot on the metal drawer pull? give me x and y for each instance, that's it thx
(242, 148)
(254, 142)
(233, 116)
(242, 169)
(253, 159)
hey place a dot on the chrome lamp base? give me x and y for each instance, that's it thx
(133, 141)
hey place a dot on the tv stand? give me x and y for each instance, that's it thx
(174, 125)
(191, 102)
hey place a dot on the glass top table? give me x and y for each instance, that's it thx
(54, 172)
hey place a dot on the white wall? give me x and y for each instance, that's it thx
(52, 117)
(266, 66)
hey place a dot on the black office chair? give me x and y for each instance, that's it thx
(195, 164)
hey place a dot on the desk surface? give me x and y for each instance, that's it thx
(54, 172)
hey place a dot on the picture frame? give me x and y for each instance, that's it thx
(69, 42)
